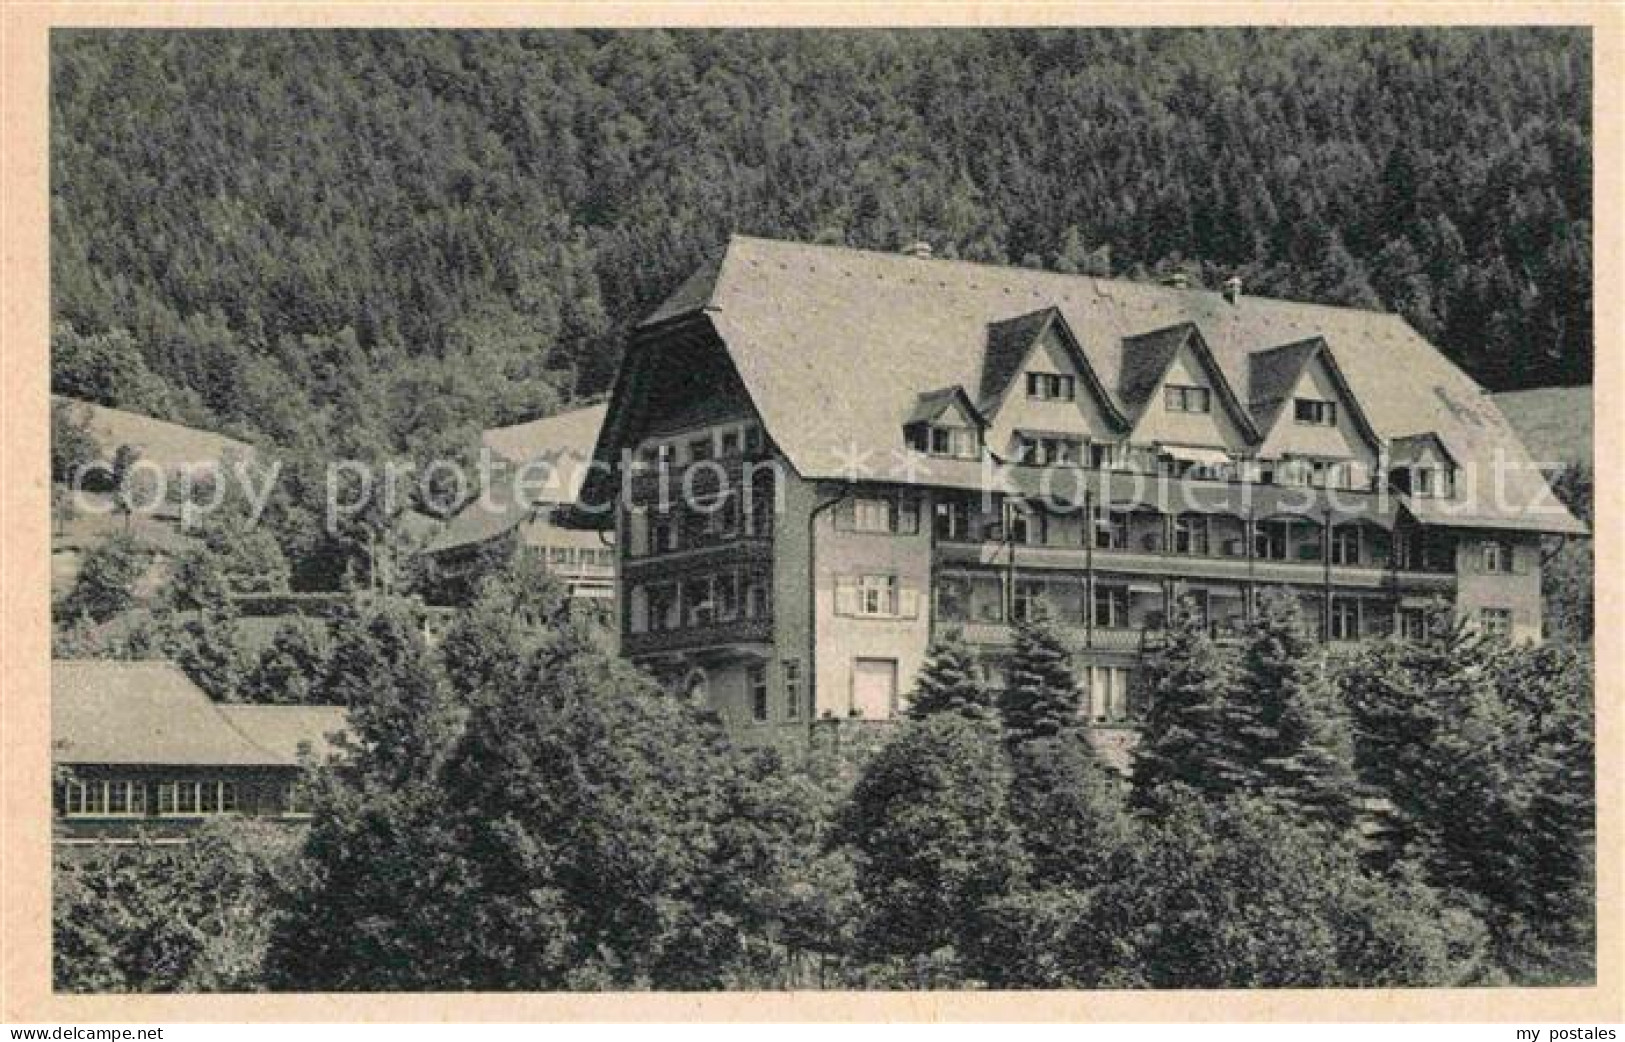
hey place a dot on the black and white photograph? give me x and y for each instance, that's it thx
(803, 510)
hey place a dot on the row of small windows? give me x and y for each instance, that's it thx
(191, 798)
(708, 522)
(725, 441)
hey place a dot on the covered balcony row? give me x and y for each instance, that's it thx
(1126, 613)
(1359, 534)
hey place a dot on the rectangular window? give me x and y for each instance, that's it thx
(756, 679)
(663, 608)
(792, 688)
(728, 442)
(1191, 535)
(952, 520)
(1182, 398)
(1413, 623)
(953, 598)
(1051, 387)
(1315, 412)
(1111, 530)
(1345, 618)
(754, 442)
(1104, 454)
(1108, 694)
(1269, 540)
(1044, 450)
(1027, 596)
(1346, 545)
(1495, 622)
(877, 595)
(104, 799)
(699, 449)
(756, 600)
(663, 532)
(1497, 556)
(1111, 607)
(954, 442)
(195, 799)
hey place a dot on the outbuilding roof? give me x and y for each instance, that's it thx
(808, 327)
(151, 714)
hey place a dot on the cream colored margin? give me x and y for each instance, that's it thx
(25, 842)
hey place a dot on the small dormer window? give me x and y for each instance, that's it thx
(1432, 482)
(1315, 412)
(945, 440)
(1051, 387)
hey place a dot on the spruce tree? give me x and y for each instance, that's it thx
(1190, 730)
(948, 683)
(1042, 698)
(1292, 724)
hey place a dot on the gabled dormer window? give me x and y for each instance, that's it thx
(1051, 387)
(947, 441)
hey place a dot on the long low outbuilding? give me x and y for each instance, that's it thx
(139, 750)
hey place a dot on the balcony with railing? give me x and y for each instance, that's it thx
(732, 633)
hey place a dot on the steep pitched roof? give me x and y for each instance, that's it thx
(1273, 374)
(142, 713)
(820, 324)
(1011, 341)
(1147, 357)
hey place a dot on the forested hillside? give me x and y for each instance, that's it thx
(375, 242)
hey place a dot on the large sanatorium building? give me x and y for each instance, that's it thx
(816, 458)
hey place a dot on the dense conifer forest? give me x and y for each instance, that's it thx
(373, 243)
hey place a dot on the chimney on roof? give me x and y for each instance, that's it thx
(1178, 280)
(1232, 288)
(918, 249)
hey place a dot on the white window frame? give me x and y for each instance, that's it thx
(877, 596)
(1495, 622)
(93, 798)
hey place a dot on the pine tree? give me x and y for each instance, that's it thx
(1042, 698)
(947, 683)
